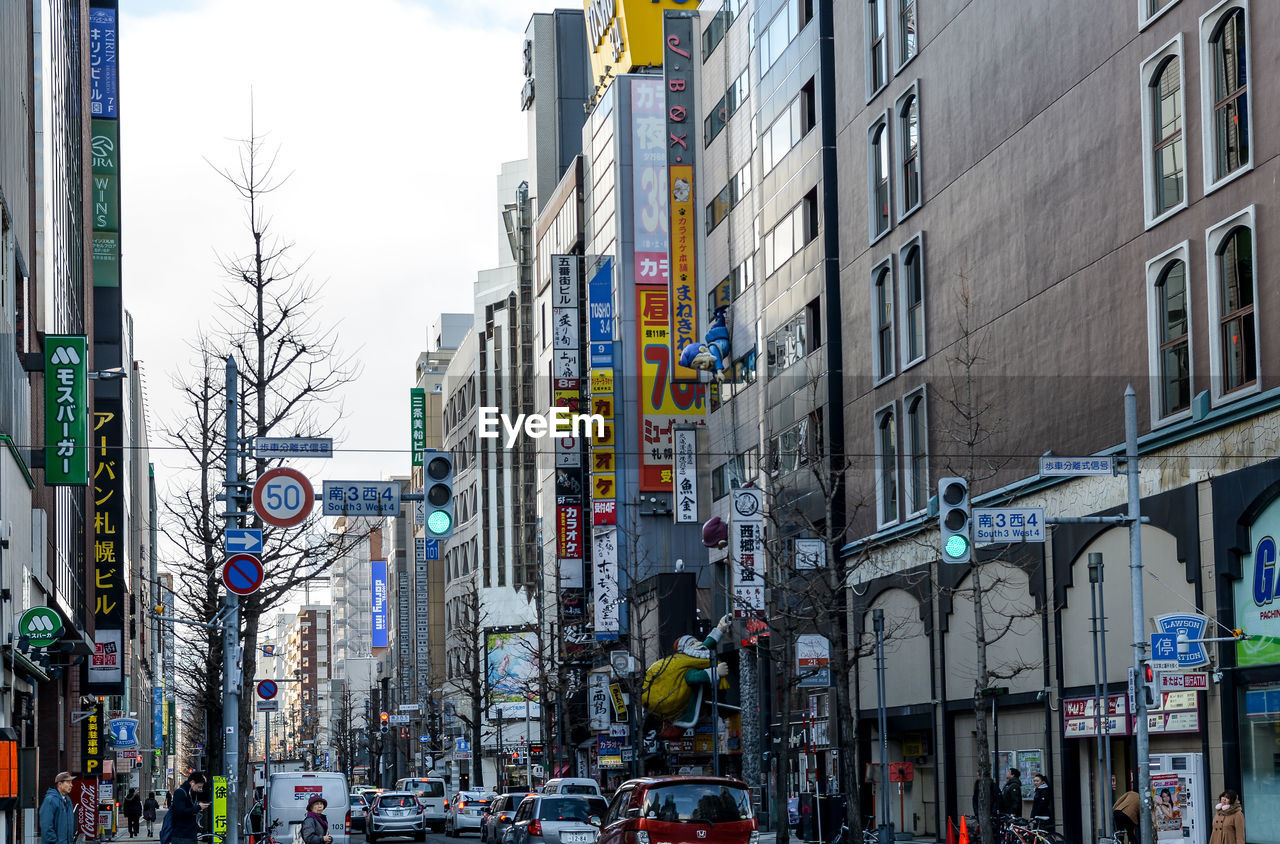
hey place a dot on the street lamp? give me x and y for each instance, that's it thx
(886, 826)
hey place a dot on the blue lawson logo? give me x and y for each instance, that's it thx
(1193, 627)
(123, 733)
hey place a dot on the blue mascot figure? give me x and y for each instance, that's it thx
(712, 355)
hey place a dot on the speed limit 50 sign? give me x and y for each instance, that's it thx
(283, 497)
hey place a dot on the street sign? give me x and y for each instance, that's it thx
(424, 739)
(276, 447)
(410, 707)
(267, 689)
(268, 706)
(398, 719)
(1195, 681)
(1053, 465)
(1187, 627)
(362, 498)
(220, 808)
(243, 541)
(1008, 524)
(41, 625)
(242, 574)
(1164, 647)
(283, 497)
(432, 549)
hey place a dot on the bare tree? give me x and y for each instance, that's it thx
(466, 671)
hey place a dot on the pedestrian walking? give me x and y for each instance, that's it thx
(315, 826)
(1228, 819)
(132, 810)
(1042, 803)
(186, 807)
(1011, 795)
(150, 807)
(57, 816)
(1125, 813)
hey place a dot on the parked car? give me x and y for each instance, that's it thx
(359, 804)
(553, 819)
(395, 813)
(703, 810)
(572, 785)
(430, 791)
(292, 790)
(465, 811)
(499, 815)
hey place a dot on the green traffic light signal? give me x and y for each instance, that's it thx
(956, 546)
(439, 522)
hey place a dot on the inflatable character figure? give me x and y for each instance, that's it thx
(674, 685)
(715, 533)
(713, 355)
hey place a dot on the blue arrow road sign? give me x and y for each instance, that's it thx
(244, 541)
(1164, 647)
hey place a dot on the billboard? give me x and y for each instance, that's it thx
(1257, 591)
(104, 71)
(379, 594)
(66, 410)
(110, 548)
(417, 423)
(682, 151)
(649, 178)
(626, 34)
(662, 404)
(511, 671)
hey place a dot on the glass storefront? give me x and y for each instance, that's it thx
(1260, 762)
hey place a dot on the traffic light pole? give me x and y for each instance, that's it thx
(1139, 621)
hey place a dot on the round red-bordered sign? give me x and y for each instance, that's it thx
(267, 689)
(242, 574)
(283, 497)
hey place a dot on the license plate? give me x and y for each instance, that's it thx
(576, 838)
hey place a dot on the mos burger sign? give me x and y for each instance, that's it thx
(626, 34)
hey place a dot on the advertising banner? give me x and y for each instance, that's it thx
(569, 536)
(157, 718)
(417, 423)
(84, 799)
(599, 701)
(379, 594)
(104, 72)
(1169, 803)
(686, 475)
(93, 741)
(1257, 594)
(813, 661)
(402, 606)
(66, 410)
(219, 808)
(110, 548)
(682, 150)
(746, 549)
(604, 558)
(649, 175)
(511, 670)
(662, 403)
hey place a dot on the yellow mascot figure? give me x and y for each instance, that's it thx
(673, 686)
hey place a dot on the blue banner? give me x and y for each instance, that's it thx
(380, 604)
(157, 718)
(600, 304)
(104, 73)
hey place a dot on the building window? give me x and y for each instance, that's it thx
(878, 160)
(727, 107)
(779, 32)
(882, 314)
(913, 336)
(720, 23)
(907, 30)
(788, 345)
(1151, 9)
(916, 451)
(1170, 334)
(789, 128)
(792, 233)
(908, 111)
(877, 71)
(1225, 92)
(1165, 156)
(729, 197)
(1235, 295)
(796, 446)
(886, 467)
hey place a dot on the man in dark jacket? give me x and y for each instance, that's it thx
(1011, 795)
(57, 816)
(186, 807)
(132, 809)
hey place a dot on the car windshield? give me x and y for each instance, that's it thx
(357, 798)
(473, 797)
(425, 788)
(398, 801)
(564, 809)
(578, 789)
(697, 802)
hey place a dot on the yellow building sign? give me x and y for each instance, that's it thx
(625, 34)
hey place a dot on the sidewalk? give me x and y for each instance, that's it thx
(772, 838)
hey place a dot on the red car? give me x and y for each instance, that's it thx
(680, 810)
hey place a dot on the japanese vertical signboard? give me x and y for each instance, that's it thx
(604, 559)
(378, 584)
(746, 549)
(600, 335)
(686, 475)
(84, 800)
(599, 703)
(402, 604)
(649, 175)
(94, 741)
(104, 74)
(682, 148)
(421, 585)
(110, 547)
(662, 403)
(418, 423)
(66, 410)
(219, 808)
(566, 392)
(106, 201)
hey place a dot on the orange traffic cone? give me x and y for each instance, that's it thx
(951, 831)
(964, 831)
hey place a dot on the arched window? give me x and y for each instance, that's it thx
(909, 135)
(887, 450)
(906, 30)
(1229, 50)
(880, 179)
(882, 293)
(1167, 149)
(913, 296)
(1236, 327)
(1175, 356)
(917, 453)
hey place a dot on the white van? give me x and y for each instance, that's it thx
(572, 785)
(290, 791)
(430, 791)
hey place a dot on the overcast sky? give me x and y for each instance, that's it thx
(393, 117)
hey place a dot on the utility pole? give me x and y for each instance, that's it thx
(886, 825)
(231, 629)
(1139, 623)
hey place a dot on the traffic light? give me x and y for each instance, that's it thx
(386, 720)
(1150, 686)
(439, 495)
(955, 518)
